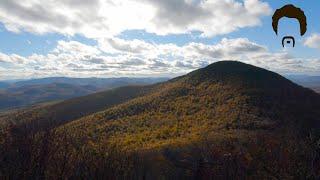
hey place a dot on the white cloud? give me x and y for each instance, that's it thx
(76, 48)
(130, 58)
(106, 18)
(116, 45)
(313, 41)
(12, 59)
(227, 48)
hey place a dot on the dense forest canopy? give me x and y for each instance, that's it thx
(227, 120)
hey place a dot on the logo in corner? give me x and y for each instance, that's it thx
(289, 11)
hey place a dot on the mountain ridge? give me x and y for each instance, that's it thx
(229, 114)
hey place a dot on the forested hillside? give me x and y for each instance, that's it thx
(228, 120)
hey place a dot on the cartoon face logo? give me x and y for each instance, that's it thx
(289, 11)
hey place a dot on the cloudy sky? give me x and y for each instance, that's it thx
(139, 38)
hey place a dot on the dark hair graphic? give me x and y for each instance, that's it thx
(290, 11)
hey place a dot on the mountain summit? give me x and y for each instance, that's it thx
(237, 73)
(228, 119)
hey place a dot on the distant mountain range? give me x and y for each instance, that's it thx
(22, 93)
(228, 120)
(101, 83)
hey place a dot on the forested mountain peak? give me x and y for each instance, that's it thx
(236, 73)
(226, 118)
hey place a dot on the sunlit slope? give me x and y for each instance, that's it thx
(224, 96)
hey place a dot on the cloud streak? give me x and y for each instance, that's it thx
(117, 57)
